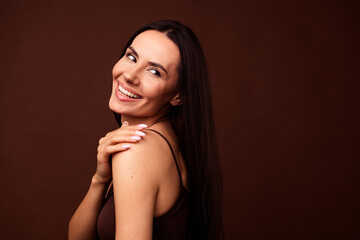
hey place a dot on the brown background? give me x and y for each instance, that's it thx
(285, 83)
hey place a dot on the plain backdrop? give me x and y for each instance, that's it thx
(285, 81)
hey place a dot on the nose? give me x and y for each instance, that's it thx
(131, 76)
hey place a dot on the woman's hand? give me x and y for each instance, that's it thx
(115, 141)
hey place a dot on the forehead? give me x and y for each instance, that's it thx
(156, 47)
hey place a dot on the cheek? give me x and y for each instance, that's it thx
(118, 68)
(153, 90)
(159, 94)
(160, 90)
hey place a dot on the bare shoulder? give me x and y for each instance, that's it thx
(136, 181)
(148, 157)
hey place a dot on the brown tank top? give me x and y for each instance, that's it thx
(171, 225)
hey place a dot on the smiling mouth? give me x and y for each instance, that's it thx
(128, 94)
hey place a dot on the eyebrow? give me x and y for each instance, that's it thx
(151, 63)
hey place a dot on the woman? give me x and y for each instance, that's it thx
(161, 99)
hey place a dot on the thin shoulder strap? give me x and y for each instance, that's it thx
(172, 151)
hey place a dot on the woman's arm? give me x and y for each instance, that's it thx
(84, 221)
(136, 184)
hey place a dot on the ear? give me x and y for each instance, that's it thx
(176, 100)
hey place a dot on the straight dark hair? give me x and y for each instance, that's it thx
(193, 123)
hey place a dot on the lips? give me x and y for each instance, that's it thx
(128, 93)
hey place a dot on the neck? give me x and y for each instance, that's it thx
(145, 120)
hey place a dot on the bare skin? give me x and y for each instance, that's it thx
(83, 223)
(146, 183)
(145, 178)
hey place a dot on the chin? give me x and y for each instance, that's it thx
(112, 106)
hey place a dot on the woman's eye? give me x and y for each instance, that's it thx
(155, 72)
(131, 57)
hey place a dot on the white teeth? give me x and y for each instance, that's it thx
(127, 93)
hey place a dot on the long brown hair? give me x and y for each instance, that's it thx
(193, 124)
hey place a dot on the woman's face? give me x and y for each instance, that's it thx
(144, 79)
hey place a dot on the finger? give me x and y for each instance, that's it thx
(117, 148)
(127, 130)
(130, 127)
(130, 137)
(137, 126)
(123, 138)
(101, 140)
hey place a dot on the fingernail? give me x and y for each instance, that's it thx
(125, 146)
(140, 133)
(142, 125)
(135, 137)
(125, 123)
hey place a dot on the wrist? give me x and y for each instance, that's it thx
(96, 179)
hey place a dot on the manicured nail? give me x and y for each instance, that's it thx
(135, 137)
(142, 125)
(125, 146)
(140, 133)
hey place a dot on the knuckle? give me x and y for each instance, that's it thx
(112, 139)
(100, 149)
(107, 149)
